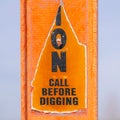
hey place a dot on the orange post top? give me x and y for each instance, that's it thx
(37, 22)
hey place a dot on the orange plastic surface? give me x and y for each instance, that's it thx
(75, 75)
(37, 17)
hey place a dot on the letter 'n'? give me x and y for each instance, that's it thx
(59, 61)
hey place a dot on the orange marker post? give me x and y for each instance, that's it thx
(59, 60)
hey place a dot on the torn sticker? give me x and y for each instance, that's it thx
(60, 80)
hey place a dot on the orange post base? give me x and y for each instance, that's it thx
(37, 16)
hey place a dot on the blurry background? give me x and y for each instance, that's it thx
(109, 60)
